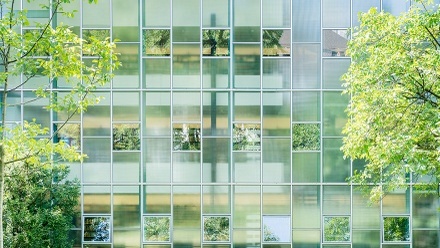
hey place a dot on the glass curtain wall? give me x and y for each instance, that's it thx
(222, 129)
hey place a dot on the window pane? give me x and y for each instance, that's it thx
(306, 167)
(335, 167)
(336, 13)
(216, 199)
(126, 167)
(306, 66)
(125, 20)
(126, 106)
(335, 42)
(247, 106)
(425, 238)
(246, 137)
(306, 106)
(307, 238)
(363, 6)
(186, 167)
(216, 167)
(336, 200)
(127, 76)
(306, 207)
(246, 238)
(276, 160)
(215, 114)
(156, 42)
(246, 207)
(96, 199)
(126, 207)
(276, 42)
(247, 66)
(276, 13)
(216, 229)
(96, 172)
(276, 73)
(247, 21)
(333, 69)
(97, 149)
(246, 167)
(216, 73)
(156, 228)
(157, 13)
(366, 238)
(276, 229)
(157, 199)
(276, 114)
(157, 73)
(186, 207)
(216, 42)
(306, 137)
(157, 160)
(397, 202)
(186, 106)
(96, 120)
(337, 229)
(91, 19)
(126, 137)
(97, 229)
(425, 204)
(395, 7)
(186, 20)
(396, 229)
(306, 18)
(186, 65)
(334, 112)
(363, 210)
(157, 113)
(276, 200)
(215, 13)
(186, 137)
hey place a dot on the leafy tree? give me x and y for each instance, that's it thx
(394, 112)
(35, 200)
(396, 229)
(336, 229)
(305, 137)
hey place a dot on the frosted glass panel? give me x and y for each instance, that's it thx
(362, 6)
(306, 167)
(306, 207)
(157, 199)
(246, 167)
(247, 21)
(216, 165)
(215, 13)
(216, 200)
(157, 13)
(215, 113)
(333, 69)
(306, 66)
(395, 7)
(186, 207)
(157, 113)
(276, 160)
(336, 200)
(186, 20)
(276, 200)
(306, 106)
(186, 65)
(306, 18)
(247, 66)
(186, 106)
(157, 73)
(335, 168)
(336, 13)
(276, 13)
(216, 73)
(276, 73)
(246, 207)
(157, 160)
(125, 20)
(247, 106)
(334, 112)
(276, 114)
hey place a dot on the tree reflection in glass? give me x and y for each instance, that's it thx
(216, 228)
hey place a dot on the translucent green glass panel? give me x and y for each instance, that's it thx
(34, 109)
(276, 160)
(157, 160)
(215, 113)
(186, 137)
(216, 73)
(366, 238)
(364, 210)
(425, 238)
(215, 13)
(336, 200)
(156, 246)
(186, 207)
(334, 42)
(156, 13)
(395, 7)
(184, 237)
(247, 21)
(97, 150)
(157, 199)
(215, 42)
(276, 42)
(125, 20)
(73, 22)
(337, 229)
(247, 66)
(126, 207)
(333, 69)
(246, 167)
(186, 106)
(91, 19)
(216, 165)
(96, 120)
(306, 69)
(362, 6)
(156, 228)
(246, 237)
(126, 238)
(306, 137)
(247, 106)
(306, 202)
(306, 167)
(276, 229)
(335, 168)
(397, 202)
(127, 76)
(334, 112)
(276, 114)
(276, 73)
(96, 199)
(186, 167)
(186, 65)
(336, 13)
(126, 137)
(306, 19)
(126, 167)
(216, 229)
(216, 199)
(157, 113)
(306, 106)
(246, 207)
(276, 13)
(96, 172)
(186, 20)
(157, 73)
(307, 238)
(424, 205)
(156, 42)
(396, 229)
(276, 200)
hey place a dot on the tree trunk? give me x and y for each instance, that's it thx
(2, 182)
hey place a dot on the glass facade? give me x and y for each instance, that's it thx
(222, 129)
